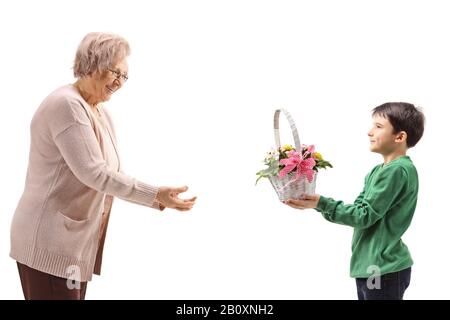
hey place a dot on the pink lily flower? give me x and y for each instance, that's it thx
(308, 150)
(301, 166)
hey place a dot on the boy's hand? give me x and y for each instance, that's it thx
(309, 201)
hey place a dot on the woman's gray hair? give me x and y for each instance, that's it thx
(98, 51)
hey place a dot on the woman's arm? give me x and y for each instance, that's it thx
(79, 147)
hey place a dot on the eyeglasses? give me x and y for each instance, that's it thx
(119, 75)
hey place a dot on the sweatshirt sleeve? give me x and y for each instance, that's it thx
(79, 147)
(371, 205)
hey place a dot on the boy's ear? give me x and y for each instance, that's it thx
(401, 136)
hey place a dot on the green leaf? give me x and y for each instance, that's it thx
(258, 180)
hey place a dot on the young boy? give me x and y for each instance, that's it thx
(381, 262)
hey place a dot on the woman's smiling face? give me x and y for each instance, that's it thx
(110, 80)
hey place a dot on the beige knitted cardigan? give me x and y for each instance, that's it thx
(57, 227)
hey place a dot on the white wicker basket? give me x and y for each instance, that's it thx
(285, 187)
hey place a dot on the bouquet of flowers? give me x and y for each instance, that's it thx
(292, 171)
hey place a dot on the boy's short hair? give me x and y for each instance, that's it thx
(404, 117)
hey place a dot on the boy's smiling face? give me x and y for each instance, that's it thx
(383, 140)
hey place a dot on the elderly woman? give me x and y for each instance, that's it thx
(59, 226)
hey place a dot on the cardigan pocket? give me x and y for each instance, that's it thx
(72, 224)
(76, 236)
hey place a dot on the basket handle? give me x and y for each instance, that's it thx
(276, 128)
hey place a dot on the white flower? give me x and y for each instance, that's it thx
(272, 154)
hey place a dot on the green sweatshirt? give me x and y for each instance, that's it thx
(380, 216)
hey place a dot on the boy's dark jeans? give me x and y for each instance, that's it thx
(392, 286)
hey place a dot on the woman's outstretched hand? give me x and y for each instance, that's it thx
(168, 197)
(309, 201)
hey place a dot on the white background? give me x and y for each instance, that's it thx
(205, 78)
